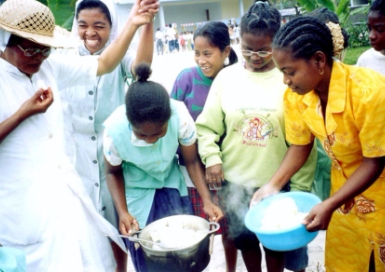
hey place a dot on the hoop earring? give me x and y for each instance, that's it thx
(321, 72)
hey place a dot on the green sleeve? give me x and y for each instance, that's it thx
(321, 185)
(304, 178)
(210, 127)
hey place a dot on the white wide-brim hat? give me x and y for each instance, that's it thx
(34, 21)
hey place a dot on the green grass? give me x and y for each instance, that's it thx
(353, 53)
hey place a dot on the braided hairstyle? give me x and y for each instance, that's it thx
(261, 18)
(147, 101)
(378, 6)
(93, 4)
(326, 16)
(217, 34)
(303, 37)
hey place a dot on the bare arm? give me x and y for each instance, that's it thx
(195, 170)
(145, 46)
(141, 13)
(294, 159)
(38, 103)
(115, 182)
(365, 175)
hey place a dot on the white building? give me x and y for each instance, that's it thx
(187, 14)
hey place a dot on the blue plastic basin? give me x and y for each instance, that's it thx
(283, 239)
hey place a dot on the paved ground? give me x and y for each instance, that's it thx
(165, 70)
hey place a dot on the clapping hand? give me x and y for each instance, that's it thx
(144, 11)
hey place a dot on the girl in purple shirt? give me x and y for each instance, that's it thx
(212, 53)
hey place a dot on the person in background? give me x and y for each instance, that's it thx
(170, 35)
(242, 140)
(187, 38)
(165, 40)
(342, 106)
(159, 41)
(374, 58)
(176, 41)
(237, 33)
(140, 143)
(212, 54)
(182, 41)
(46, 209)
(87, 107)
(192, 39)
(231, 34)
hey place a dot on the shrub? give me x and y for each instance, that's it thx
(358, 34)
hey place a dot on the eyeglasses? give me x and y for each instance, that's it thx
(30, 52)
(262, 54)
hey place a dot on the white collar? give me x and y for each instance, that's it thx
(135, 141)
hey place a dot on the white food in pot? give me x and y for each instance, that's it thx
(282, 214)
(176, 235)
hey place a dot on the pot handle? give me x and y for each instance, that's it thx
(134, 235)
(216, 227)
(211, 245)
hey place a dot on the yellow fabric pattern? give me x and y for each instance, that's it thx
(354, 128)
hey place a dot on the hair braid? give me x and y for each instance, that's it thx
(304, 36)
(261, 19)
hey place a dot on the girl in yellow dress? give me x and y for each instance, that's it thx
(343, 106)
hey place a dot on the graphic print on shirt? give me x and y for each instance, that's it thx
(256, 129)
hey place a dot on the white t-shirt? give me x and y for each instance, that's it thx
(159, 35)
(171, 33)
(372, 59)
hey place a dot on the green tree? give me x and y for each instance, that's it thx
(63, 10)
(340, 7)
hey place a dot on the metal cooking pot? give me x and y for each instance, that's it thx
(194, 258)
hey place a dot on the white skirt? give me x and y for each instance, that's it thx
(54, 222)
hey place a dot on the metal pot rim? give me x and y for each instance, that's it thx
(190, 219)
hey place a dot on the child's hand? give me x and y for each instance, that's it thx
(213, 211)
(38, 103)
(127, 224)
(263, 192)
(215, 176)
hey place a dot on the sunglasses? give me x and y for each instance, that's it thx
(30, 52)
(262, 54)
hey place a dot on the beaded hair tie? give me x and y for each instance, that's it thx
(338, 38)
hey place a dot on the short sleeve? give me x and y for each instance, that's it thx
(182, 85)
(297, 131)
(109, 150)
(187, 130)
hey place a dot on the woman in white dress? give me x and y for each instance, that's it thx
(87, 107)
(46, 211)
